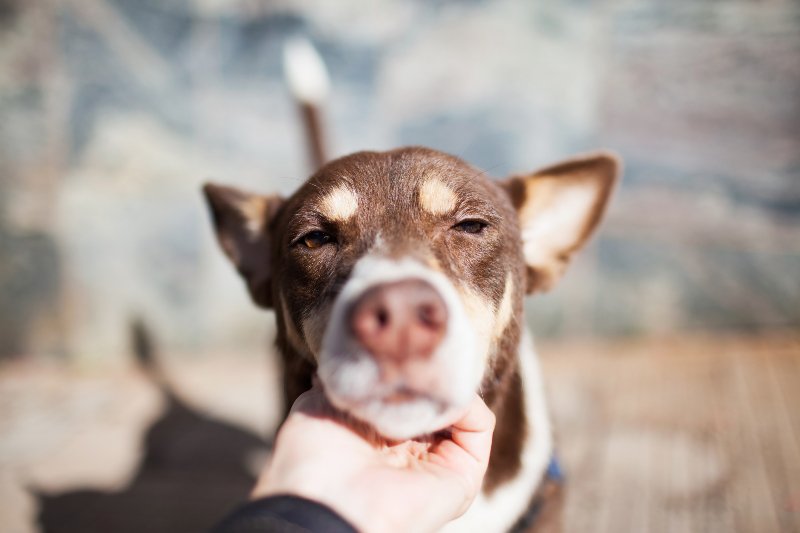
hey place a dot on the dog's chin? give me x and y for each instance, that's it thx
(400, 418)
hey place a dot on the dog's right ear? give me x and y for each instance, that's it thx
(242, 223)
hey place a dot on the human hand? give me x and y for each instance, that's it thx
(323, 455)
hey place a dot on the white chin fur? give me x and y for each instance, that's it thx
(351, 376)
(402, 421)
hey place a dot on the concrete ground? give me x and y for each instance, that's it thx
(697, 434)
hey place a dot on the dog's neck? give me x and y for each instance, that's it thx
(501, 389)
(510, 484)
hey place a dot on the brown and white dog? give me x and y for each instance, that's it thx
(397, 278)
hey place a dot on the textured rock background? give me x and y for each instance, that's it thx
(112, 112)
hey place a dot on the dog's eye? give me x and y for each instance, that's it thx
(315, 239)
(470, 226)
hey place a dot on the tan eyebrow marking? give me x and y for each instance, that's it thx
(436, 197)
(340, 204)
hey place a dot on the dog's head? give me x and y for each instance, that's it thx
(400, 274)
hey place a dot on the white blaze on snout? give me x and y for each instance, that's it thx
(351, 375)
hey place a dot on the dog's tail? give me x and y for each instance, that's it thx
(308, 81)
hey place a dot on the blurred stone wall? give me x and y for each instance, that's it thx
(113, 112)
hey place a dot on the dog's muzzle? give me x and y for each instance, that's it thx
(399, 351)
(399, 322)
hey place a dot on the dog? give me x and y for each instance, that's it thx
(397, 279)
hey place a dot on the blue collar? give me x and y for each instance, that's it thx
(554, 472)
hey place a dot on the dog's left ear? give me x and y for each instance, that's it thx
(242, 223)
(559, 207)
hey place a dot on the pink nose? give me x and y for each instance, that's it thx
(399, 321)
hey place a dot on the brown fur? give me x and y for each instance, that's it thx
(302, 283)
(505, 400)
(548, 503)
(484, 272)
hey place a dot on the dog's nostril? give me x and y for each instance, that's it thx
(383, 317)
(400, 320)
(428, 316)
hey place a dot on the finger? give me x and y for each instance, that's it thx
(312, 402)
(465, 454)
(473, 431)
(312, 411)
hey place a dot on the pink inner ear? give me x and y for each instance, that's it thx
(241, 222)
(558, 217)
(562, 207)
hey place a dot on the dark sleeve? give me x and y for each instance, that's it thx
(283, 514)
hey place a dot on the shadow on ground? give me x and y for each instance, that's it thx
(194, 471)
